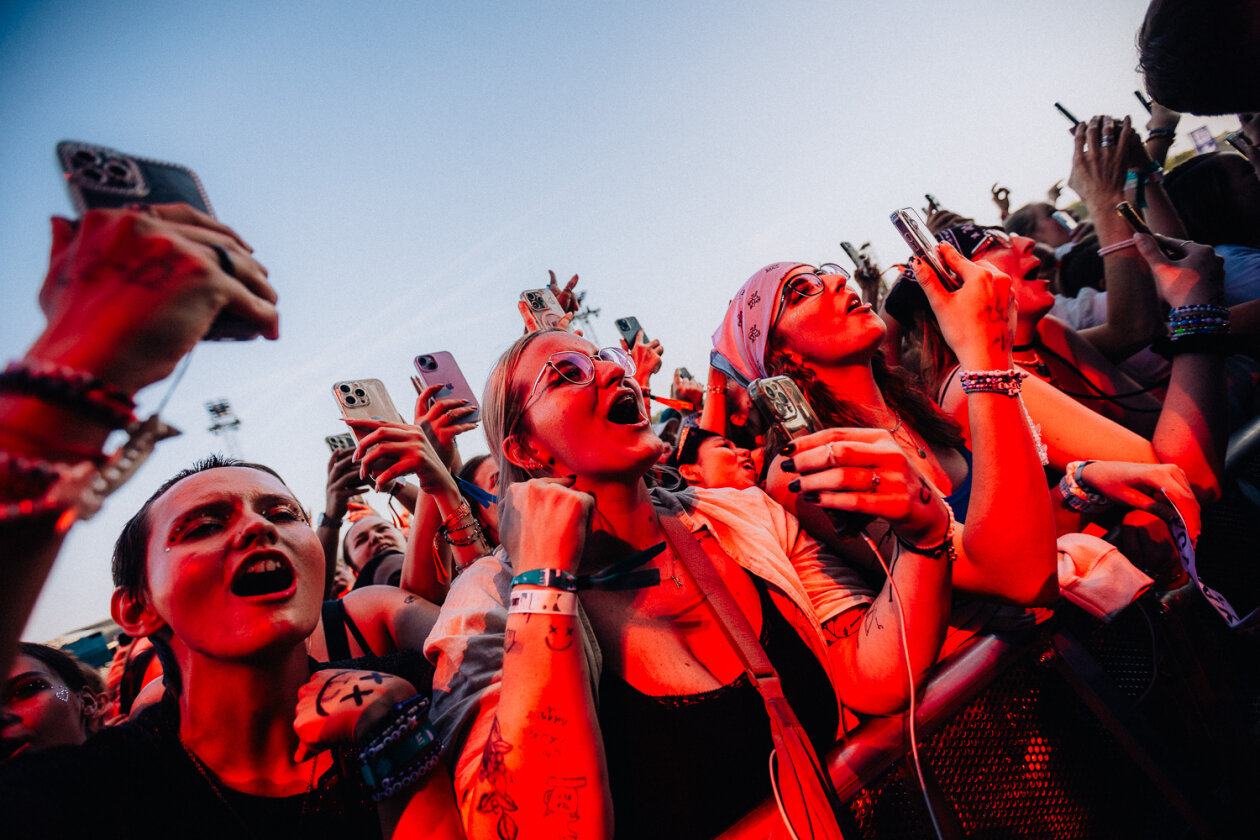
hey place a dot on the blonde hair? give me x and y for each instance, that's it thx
(503, 409)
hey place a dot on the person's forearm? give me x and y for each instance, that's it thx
(870, 662)
(1008, 547)
(328, 538)
(1134, 316)
(1191, 431)
(32, 428)
(1161, 215)
(419, 574)
(425, 808)
(544, 746)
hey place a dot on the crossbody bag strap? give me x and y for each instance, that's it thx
(808, 801)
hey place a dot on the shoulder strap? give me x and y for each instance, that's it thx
(334, 615)
(808, 802)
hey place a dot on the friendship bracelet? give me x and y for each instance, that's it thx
(536, 601)
(460, 512)
(1078, 496)
(403, 749)
(549, 578)
(1116, 246)
(1156, 133)
(1006, 382)
(1190, 309)
(75, 389)
(943, 548)
(475, 537)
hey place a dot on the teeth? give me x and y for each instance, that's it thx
(265, 565)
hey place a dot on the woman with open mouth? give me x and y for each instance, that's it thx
(594, 593)
(811, 325)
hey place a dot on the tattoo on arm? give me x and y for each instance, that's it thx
(871, 621)
(494, 772)
(841, 627)
(561, 797)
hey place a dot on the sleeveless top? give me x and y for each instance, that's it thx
(690, 766)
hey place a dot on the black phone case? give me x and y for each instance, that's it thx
(98, 177)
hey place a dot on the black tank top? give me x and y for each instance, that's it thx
(690, 766)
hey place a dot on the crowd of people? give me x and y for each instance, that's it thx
(620, 620)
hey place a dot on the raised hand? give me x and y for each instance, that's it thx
(391, 450)
(1002, 198)
(130, 292)
(543, 523)
(647, 358)
(1103, 154)
(977, 320)
(442, 420)
(344, 482)
(566, 297)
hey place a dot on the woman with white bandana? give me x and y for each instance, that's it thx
(789, 319)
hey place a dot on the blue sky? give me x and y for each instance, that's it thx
(405, 170)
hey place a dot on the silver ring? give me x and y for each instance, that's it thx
(1107, 140)
(874, 482)
(831, 454)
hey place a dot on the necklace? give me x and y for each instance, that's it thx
(908, 439)
(1038, 364)
(207, 774)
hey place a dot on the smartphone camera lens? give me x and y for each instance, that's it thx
(623, 324)
(85, 157)
(535, 300)
(427, 363)
(359, 392)
(92, 175)
(345, 389)
(350, 400)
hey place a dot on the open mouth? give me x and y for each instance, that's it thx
(264, 574)
(855, 304)
(625, 410)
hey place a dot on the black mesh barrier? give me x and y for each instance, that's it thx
(1024, 760)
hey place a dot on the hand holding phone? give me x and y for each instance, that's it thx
(628, 328)
(441, 370)
(924, 246)
(98, 177)
(540, 310)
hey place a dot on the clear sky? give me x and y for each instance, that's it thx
(405, 169)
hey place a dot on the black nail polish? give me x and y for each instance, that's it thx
(788, 465)
(810, 496)
(794, 486)
(788, 450)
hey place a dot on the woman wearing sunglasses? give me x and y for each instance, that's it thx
(789, 319)
(581, 675)
(1080, 400)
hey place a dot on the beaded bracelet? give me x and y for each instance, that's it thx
(1156, 133)
(76, 389)
(1007, 382)
(943, 548)
(473, 538)
(1078, 496)
(403, 748)
(549, 578)
(540, 602)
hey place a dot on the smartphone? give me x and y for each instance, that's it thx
(440, 369)
(1235, 139)
(365, 399)
(337, 443)
(923, 245)
(933, 204)
(1065, 112)
(98, 177)
(782, 403)
(1065, 219)
(540, 309)
(629, 328)
(1146, 103)
(684, 373)
(1126, 211)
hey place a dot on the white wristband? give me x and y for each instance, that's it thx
(543, 601)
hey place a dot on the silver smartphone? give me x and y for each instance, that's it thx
(923, 245)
